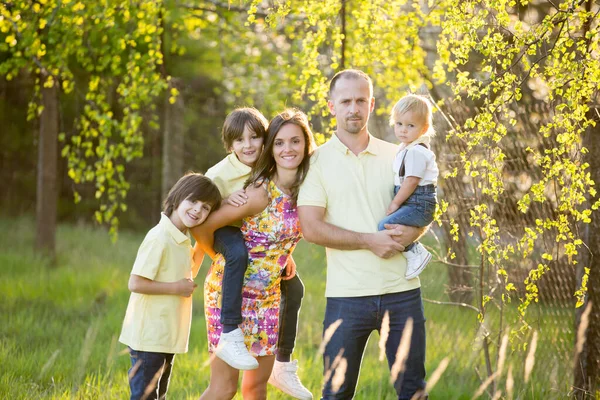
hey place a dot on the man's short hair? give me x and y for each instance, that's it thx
(350, 74)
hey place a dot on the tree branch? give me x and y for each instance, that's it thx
(449, 303)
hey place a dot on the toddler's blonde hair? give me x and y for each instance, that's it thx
(418, 104)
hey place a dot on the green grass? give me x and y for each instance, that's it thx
(59, 327)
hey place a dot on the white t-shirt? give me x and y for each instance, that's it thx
(419, 161)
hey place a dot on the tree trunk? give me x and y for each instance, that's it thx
(173, 139)
(47, 183)
(343, 49)
(587, 365)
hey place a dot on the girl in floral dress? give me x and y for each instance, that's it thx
(271, 231)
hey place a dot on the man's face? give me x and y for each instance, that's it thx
(351, 103)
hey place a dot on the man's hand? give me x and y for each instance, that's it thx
(185, 287)
(290, 269)
(384, 244)
(238, 198)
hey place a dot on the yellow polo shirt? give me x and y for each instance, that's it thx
(160, 323)
(229, 174)
(356, 191)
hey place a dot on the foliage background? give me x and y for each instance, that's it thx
(142, 89)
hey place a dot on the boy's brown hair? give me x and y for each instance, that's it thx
(236, 121)
(192, 186)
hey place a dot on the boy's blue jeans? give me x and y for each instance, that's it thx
(149, 374)
(416, 211)
(360, 317)
(230, 243)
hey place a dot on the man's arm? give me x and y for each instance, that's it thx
(384, 244)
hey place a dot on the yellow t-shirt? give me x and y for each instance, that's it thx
(160, 323)
(356, 191)
(229, 174)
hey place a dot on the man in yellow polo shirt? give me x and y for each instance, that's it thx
(345, 194)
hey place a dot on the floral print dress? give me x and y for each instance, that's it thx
(270, 238)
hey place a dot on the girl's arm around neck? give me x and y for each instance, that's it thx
(228, 215)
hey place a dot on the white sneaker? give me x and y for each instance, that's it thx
(233, 351)
(416, 260)
(285, 378)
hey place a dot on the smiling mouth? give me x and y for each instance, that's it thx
(193, 217)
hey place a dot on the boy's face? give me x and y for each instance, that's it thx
(247, 147)
(409, 127)
(190, 214)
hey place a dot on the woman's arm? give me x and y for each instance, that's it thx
(197, 259)
(227, 215)
(409, 184)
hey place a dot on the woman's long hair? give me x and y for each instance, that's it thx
(266, 167)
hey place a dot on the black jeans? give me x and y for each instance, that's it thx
(230, 243)
(150, 374)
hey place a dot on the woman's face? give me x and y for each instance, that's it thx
(288, 147)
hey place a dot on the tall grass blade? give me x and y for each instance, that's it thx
(530, 360)
(402, 352)
(328, 335)
(384, 334)
(48, 364)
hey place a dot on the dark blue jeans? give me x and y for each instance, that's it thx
(149, 374)
(230, 242)
(362, 315)
(417, 210)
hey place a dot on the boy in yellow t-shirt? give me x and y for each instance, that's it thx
(159, 314)
(243, 133)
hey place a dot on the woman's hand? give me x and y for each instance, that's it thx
(290, 269)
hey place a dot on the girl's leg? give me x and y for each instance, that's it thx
(223, 381)
(254, 382)
(230, 242)
(292, 292)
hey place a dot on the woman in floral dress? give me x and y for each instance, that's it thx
(271, 230)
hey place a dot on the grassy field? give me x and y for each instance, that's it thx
(59, 328)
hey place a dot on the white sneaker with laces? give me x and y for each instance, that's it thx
(233, 351)
(416, 260)
(285, 378)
